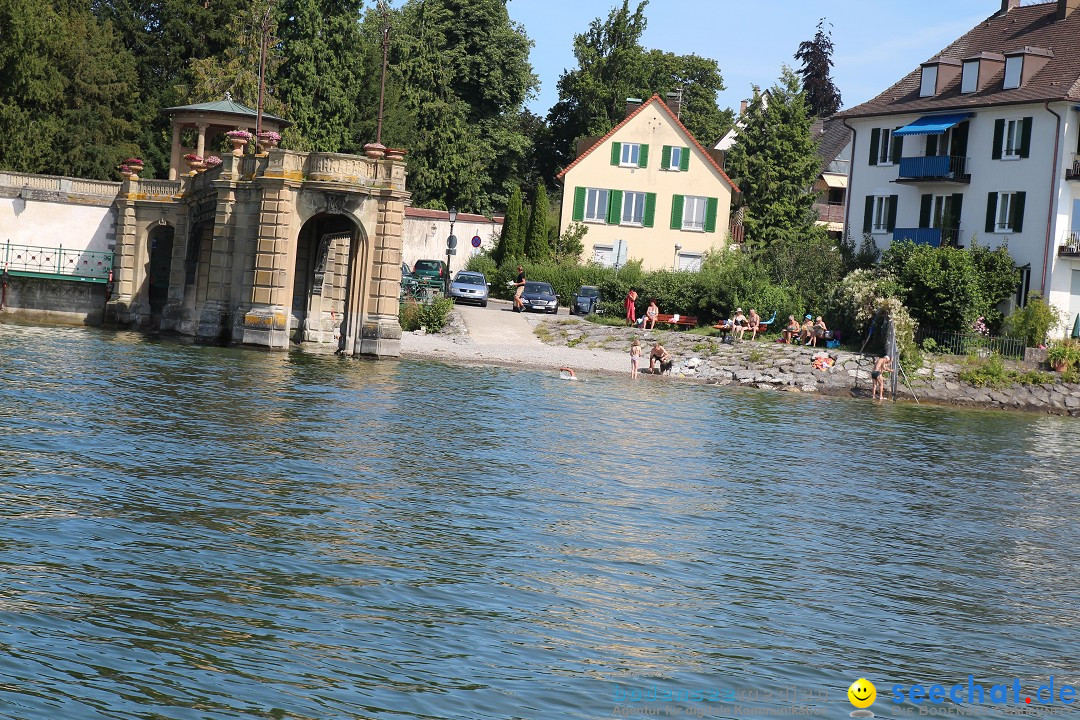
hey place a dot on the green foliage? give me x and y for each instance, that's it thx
(811, 265)
(68, 91)
(432, 316)
(993, 373)
(775, 162)
(864, 301)
(948, 288)
(510, 245)
(816, 57)
(537, 246)
(1034, 322)
(1063, 352)
(483, 263)
(930, 345)
(570, 246)
(863, 257)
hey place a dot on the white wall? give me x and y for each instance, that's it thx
(53, 224)
(424, 238)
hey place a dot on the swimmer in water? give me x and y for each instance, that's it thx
(568, 374)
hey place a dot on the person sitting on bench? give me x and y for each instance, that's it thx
(649, 321)
(738, 324)
(791, 331)
(755, 322)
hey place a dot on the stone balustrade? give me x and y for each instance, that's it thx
(53, 183)
(334, 168)
(160, 188)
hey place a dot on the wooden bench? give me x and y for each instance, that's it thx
(685, 321)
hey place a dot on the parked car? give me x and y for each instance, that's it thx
(430, 272)
(586, 300)
(541, 297)
(470, 287)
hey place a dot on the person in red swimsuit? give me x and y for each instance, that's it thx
(631, 308)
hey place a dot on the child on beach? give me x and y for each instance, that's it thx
(882, 367)
(635, 355)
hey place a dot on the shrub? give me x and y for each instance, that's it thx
(1034, 322)
(864, 300)
(1063, 352)
(992, 373)
(431, 316)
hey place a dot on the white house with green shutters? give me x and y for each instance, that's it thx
(648, 191)
(981, 144)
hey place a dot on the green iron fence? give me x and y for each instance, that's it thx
(954, 343)
(56, 263)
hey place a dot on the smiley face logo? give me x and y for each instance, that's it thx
(862, 693)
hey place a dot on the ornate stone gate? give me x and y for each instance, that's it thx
(269, 249)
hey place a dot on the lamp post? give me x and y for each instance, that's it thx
(675, 264)
(451, 245)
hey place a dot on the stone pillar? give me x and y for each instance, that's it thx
(202, 139)
(173, 311)
(213, 315)
(174, 154)
(120, 308)
(381, 333)
(266, 320)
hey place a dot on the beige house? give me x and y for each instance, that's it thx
(648, 191)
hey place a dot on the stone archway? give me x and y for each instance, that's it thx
(160, 245)
(321, 274)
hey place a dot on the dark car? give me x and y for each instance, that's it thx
(586, 300)
(430, 272)
(540, 296)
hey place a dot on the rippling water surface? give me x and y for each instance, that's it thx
(194, 532)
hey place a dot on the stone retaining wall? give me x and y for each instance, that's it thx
(63, 302)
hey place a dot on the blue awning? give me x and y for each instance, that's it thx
(933, 124)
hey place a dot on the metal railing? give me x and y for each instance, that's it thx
(1073, 172)
(1070, 244)
(954, 343)
(58, 263)
(951, 167)
(830, 212)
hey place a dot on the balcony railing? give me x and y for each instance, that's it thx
(1073, 172)
(1070, 245)
(828, 212)
(83, 265)
(934, 167)
(935, 237)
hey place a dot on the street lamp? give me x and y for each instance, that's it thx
(675, 265)
(451, 245)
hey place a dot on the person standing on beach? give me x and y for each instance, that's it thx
(631, 307)
(635, 357)
(882, 367)
(519, 287)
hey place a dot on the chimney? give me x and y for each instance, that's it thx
(674, 101)
(1007, 5)
(633, 104)
(742, 107)
(1066, 7)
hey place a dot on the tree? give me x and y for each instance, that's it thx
(66, 92)
(816, 57)
(508, 247)
(775, 163)
(569, 246)
(537, 244)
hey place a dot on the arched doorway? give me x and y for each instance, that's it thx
(197, 263)
(157, 276)
(321, 279)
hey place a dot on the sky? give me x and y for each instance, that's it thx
(876, 42)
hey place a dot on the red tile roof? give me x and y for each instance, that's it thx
(1029, 25)
(441, 215)
(631, 116)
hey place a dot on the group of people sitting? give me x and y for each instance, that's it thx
(739, 324)
(809, 332)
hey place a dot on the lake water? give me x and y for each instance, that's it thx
(197, 532)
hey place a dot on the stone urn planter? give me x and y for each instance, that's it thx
(375, 151)
(134, 166)
(239, 139)
(267, 140)
(195, 163)
(396, 153)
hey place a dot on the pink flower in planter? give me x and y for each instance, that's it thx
(238, 135)
(133, 161)
(270, 135)
(192, 157)
(213, 161)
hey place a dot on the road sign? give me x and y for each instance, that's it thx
(451, 251)
(476, 241)
(451, 242)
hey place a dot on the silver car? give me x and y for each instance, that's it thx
(470, 287)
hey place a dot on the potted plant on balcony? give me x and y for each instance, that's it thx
(195, 162)
(238, 138)
(135, 165)
(267, 139)
(1062, 354)
(212, 162)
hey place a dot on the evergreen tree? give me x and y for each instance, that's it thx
(816, 56)
(66, 92)
(537, 242)
(775, 163)
(508, 249)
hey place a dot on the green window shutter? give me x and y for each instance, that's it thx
(650, 210)
(684, 159)
(868, 216)
(614, 212)
(711, 205)
(897, 147)
(999, 138)
(924, 211)
(643, 156)
(676, 212)
(960, 139)
(1019, 201)
(1025, 138)
(875, 143)
(991, 211)
(894, 201)
(665, 158)
(616, 153)
(579, 204)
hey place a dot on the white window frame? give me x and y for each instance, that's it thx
(1004, 216)
(689, 262)
(879, 220)
(693, 206)
(1014, 72)
(929, 77)
(592, 200)
(1014, 128)
(633, 209)
(969, 78)
(675, 161)
(604, 255)
(629, 154)
(884, 152)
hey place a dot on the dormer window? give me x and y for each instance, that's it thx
(970, 81)
(1014, 66)
(929, 81)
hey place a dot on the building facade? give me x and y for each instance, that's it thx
(648, 191)
(982, 145)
